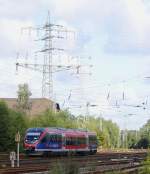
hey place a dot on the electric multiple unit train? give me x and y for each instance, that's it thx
(59, 140)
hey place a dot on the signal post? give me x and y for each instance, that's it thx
(17, 139)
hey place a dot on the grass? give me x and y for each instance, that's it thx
(146, 164)
(64, 167)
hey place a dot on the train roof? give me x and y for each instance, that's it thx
(36, 129)
(61, 130)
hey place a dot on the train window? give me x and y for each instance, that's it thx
(81, 140)
(84, 140)
(45, 138)
(32, 136)
(52, 138)
(68, 141)
(71, 141)
(92, 140)
(55, 138)
(59, 138)
(74, 140)
(64, 141)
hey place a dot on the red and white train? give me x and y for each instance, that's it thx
(59, 140)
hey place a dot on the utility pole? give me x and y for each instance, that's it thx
(125, 132)
(88, 105)
(119, 142)
(87, 109)
(100, 123)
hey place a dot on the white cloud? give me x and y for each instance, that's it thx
(16, 9)
(130, 29)
(112, 32)
(125, 23)
(10, 34)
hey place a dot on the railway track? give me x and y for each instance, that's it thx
(100, 162)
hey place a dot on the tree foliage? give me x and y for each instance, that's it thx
(107, 131)
(54, 119)
(13, 121)
(23, 103)
(4, 126)
(144, 132)
(139, 139)
(10, 123)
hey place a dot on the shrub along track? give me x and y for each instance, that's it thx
(98, 163)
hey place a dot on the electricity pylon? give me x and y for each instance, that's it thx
(48, 67)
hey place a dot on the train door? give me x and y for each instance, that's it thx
(92, 144)
(42, 145)
(55, 141)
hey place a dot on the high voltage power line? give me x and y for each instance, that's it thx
(50, 65)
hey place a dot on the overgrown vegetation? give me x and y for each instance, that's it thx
(12, 121)
(139, 139)
(146, 166)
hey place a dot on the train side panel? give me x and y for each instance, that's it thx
(61, 140)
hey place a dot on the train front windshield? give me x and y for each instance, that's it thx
(32, 137)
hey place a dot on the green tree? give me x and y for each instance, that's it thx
(52, 119)
(144, 133)
(10, 122)
(107, 131)
(18, 122)
(132, 138)
(23, 103)
(143, 143)
(4, 126)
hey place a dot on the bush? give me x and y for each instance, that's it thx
(146, 164)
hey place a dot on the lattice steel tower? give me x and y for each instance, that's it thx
(49, 66)
(47, 81)
(51, 32)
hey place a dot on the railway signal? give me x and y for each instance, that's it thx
(12, 158)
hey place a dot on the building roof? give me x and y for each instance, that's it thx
(38, 105)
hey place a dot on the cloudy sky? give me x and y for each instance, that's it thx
(114, 33)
